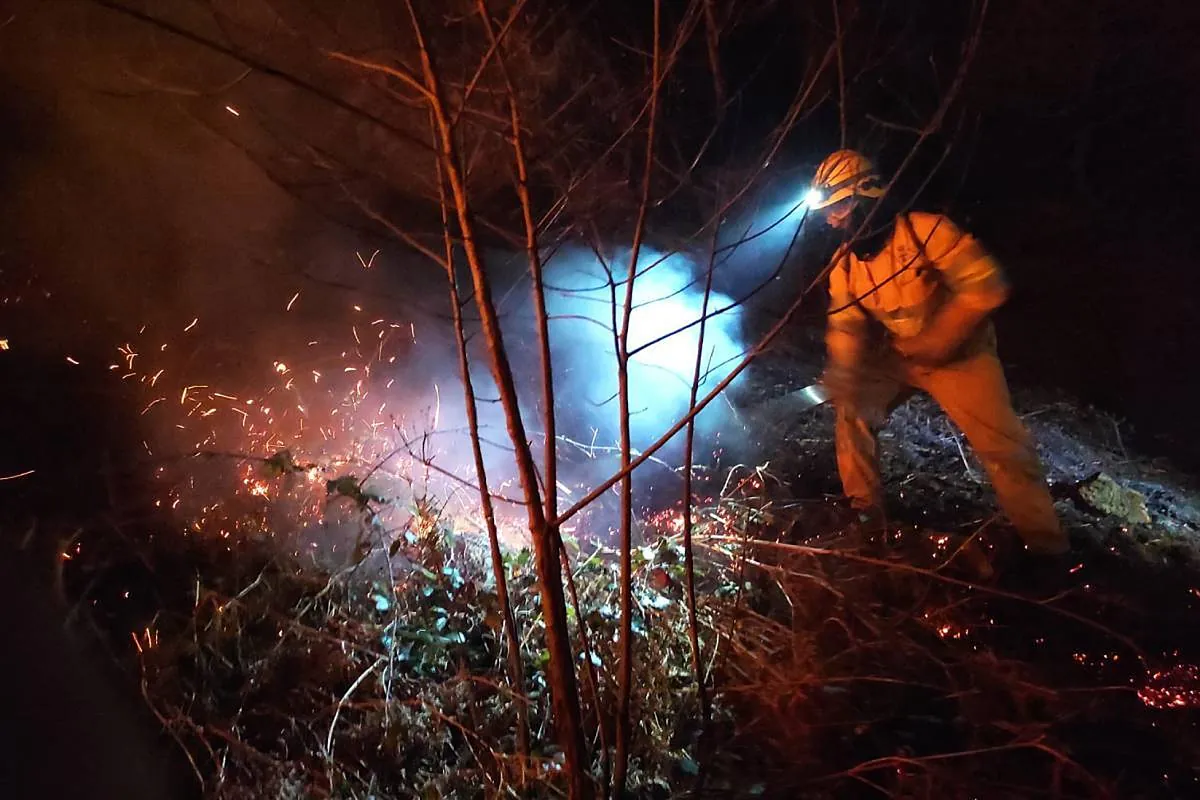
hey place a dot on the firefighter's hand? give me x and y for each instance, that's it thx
(843, 383)
(944, 336)
(928, 348)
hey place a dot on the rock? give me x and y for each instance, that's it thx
(1101, 493)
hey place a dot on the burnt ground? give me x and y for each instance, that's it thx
(934, 479)
(1068, 677)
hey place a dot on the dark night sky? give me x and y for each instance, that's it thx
(1085, 187)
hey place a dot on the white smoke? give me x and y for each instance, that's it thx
(664, 342)
(585, 296)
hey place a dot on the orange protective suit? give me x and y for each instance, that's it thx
(877, 303)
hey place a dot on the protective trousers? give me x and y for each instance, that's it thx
(974, 394)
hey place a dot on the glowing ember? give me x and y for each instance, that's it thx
(1173, 688)
(949, 631)
(945, 628)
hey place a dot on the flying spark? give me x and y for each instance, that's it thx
(184, 395)
(345, 420)
(437, 412)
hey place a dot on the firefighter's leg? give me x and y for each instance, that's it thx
(856, 445)
(974, 394)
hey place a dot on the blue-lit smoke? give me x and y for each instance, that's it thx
(664, 331)
(664, 339)
(585, 298)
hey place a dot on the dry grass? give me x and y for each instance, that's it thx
(841, 663)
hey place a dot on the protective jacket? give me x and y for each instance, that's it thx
(927, 260)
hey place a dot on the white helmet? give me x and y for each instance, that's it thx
(843, 174)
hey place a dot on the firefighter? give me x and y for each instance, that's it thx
(911, 296)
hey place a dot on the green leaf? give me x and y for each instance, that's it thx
(348, 486)
(283, 463)
(456, 578)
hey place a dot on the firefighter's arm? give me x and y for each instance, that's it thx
(845, 338)
(945, 334)
(976, 285)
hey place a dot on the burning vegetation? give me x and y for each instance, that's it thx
(327, 622)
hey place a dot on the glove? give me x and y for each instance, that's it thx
(845, 384)
(928, 350)
(944, 336)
